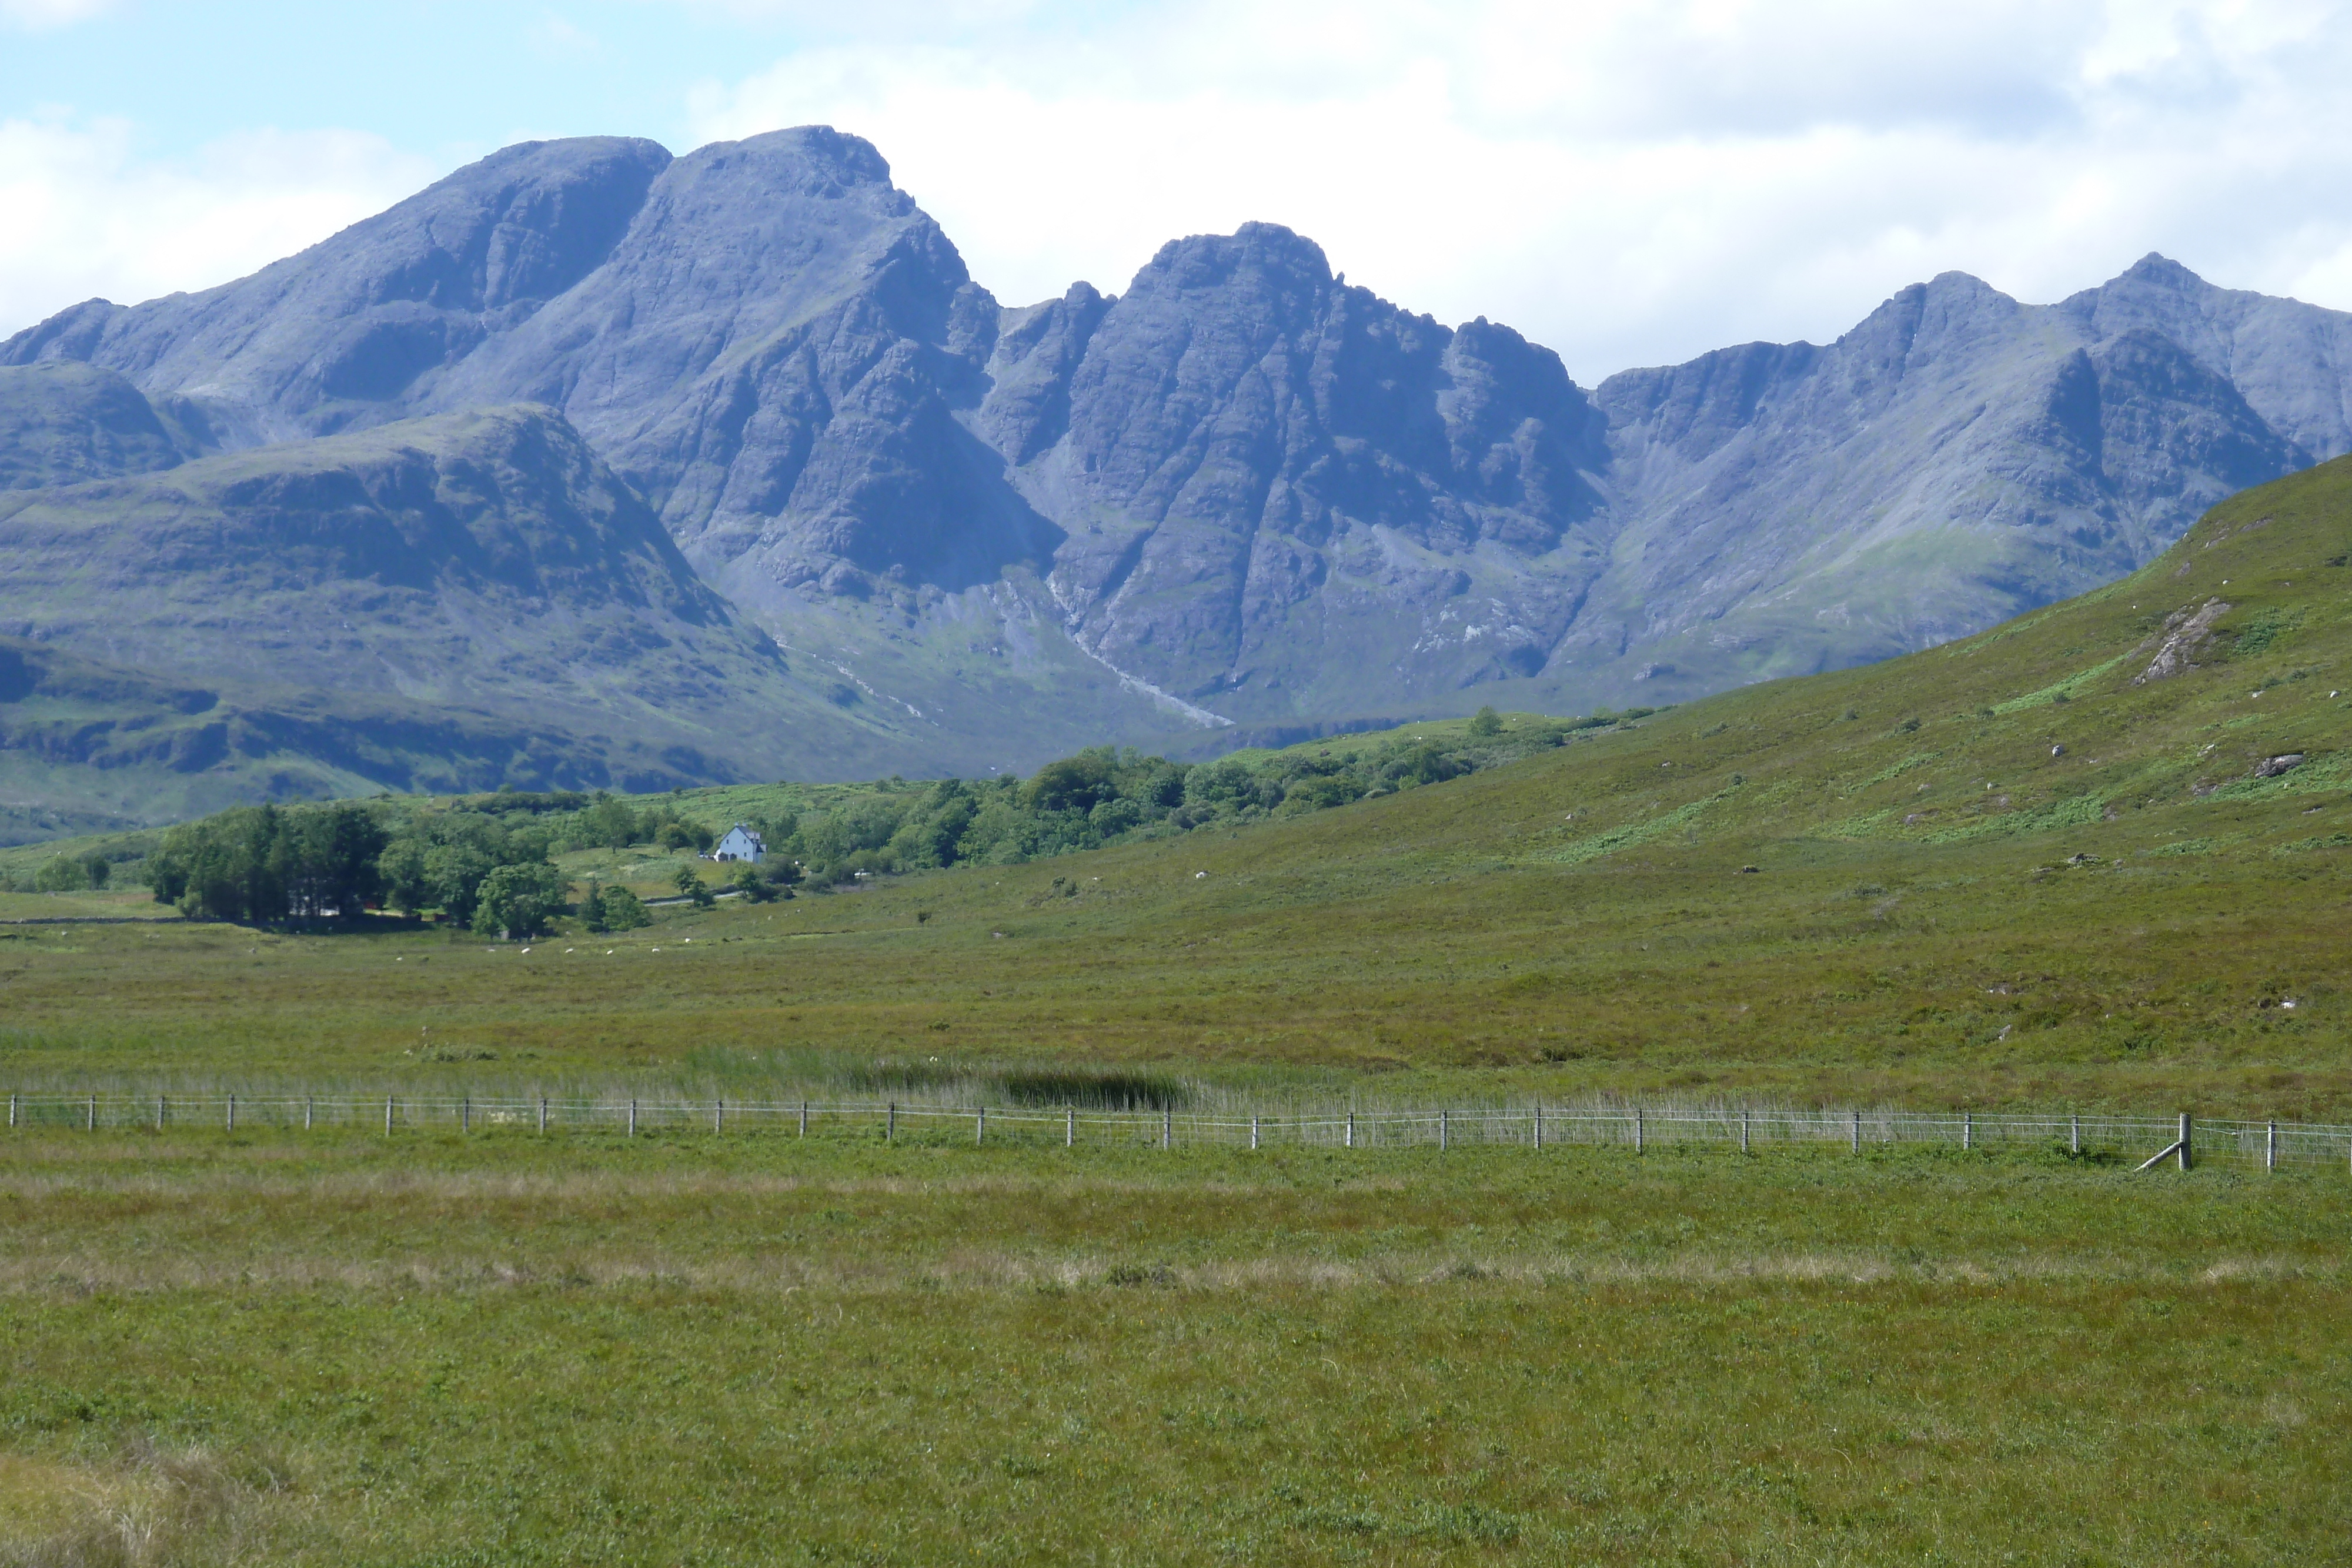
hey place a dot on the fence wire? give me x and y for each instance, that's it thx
(1532, 1127)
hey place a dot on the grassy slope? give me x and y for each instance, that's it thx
(1579, 920)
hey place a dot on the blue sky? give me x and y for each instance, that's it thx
(1630, 182)
(444, 80)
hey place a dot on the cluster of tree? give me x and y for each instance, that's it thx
(73, 873)
(269, 863)
(1106, 796)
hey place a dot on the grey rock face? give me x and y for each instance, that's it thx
(339, 335)
(1259, 468)
(1955, 459)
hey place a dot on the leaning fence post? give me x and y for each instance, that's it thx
(2270, 1147)
(2187, 1157)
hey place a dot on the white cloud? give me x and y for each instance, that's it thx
(41, 16)
(85, 217)
(1629, 182)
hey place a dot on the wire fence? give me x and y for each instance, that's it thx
(1532, 1127)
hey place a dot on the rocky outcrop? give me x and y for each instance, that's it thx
(2184, 634)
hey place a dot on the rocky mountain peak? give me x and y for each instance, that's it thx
(1239, 489)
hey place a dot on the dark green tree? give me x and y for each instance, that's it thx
(518, 900)
(624, 911)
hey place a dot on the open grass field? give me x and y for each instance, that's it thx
(2008, 872)
(441, 1350)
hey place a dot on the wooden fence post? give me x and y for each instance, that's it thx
(2075, 1135)
(1253, 1129)
(890, 1123)
(1444, 1123)
(309, 1107)
(387, 1115)
(2270, 1147)
(93, 1114)
(803, 1118)
(1743, 1129)
(1167, 1128)
(465, 1115)
(1069, 1126)
(719, 1114)
(1351, 1128)
(12, 1111)
(1539, 1123)
(1639, 1129)
(632, 1117)
(980, 1125)
(231, 1112)
(1968, 1129)
(543, 1115)
(159, 1113)
(2188, 1157)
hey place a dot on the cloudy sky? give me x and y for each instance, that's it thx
(1629, 183)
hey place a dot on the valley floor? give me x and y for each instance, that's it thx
(499, 1349)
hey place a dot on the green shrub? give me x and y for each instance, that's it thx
(518, 900)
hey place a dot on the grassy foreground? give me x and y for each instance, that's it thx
(499, 1349)
(2011, 871)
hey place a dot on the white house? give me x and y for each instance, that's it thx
(740, 844)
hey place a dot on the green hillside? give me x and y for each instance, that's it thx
(2009, 869)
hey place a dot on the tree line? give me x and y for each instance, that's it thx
(487, 862)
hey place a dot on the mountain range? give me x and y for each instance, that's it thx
(623, 468)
